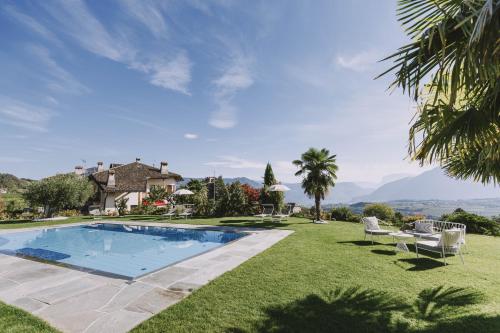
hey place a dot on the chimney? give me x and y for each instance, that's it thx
(111, 178)
(79, 170)
(163, 168)
(137, 159)
(100, 167)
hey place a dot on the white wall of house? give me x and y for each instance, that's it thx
(109, 203)
(167, 183)
(135, 198)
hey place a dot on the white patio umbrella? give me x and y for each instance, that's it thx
(183, 192)
(278, 188)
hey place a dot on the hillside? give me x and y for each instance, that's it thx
(430, 185)
(13, 184)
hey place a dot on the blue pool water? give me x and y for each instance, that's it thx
(123, 250)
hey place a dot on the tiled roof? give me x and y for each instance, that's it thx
(131, 177)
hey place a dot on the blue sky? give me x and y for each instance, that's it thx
(222, 86)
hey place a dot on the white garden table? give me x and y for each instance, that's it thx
(401, 239)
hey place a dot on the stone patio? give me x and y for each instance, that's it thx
(76, 301)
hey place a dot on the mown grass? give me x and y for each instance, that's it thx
(325, 278)
(18, 224)
(13, 320)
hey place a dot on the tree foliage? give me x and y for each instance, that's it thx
(318, 170)
(237, 203)
(474, 223)
(271, 197)
(121, 205)
(200, 201)
(64, 191)
(221, 197)
(380, 210)
(157, 193)
(452, 68)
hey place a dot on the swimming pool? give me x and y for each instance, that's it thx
(127, 251)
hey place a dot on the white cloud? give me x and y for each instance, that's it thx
(76, 20)
(52, 100)
(233, 162)
(358, 62)
(235, 77)
(62, 80)
(224, 116)
(32, 24)
(23, 115)
(174, 74)
(164, 70)
(191, 136)
(148, 13)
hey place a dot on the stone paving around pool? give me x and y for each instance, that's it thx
(75, 301)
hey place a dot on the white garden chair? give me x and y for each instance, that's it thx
(170, 213)
(284, 215)
(372, 227)
(449, 243)
(188, 211)
(267, 212)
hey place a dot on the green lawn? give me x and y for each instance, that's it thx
(13, 320)
(325, 278)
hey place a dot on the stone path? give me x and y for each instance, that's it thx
(75, 301)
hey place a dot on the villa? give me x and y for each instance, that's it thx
(130, 181)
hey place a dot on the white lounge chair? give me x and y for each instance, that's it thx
(188, 211)
(449, 243)
(267, 212)
(284, 215)
(171, 212)
(372, 227)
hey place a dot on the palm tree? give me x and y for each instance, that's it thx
(318, 169)
(452, 69)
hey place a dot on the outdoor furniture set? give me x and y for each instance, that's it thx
(429, 235)
(268, 213)
(182, 211)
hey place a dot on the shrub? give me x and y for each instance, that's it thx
(121, 205)
(14, 208)
(381, 211)
(475, 223)
(237, 200)
(2, 208)
(64, 191)
(69, 212)
(413, 218)
(200, 200)
(341, 213)
(252, 199)
(355, 218)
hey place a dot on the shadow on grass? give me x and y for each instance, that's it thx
(422, 264)
(9, 222)
(361, 243)
(440, 309)
(384, 252)
(254, 223)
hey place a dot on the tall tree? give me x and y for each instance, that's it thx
(237, 199)
(64, 191)
(452, 69)
(319, 171)
(268, 197)
(221, 197)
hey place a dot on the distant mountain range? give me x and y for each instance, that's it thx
(433, 184)
(429, 185)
